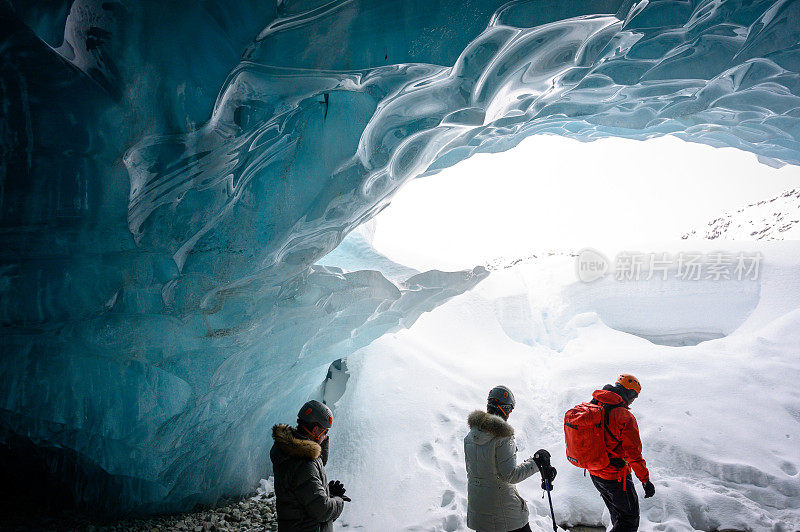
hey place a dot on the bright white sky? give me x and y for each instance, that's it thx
(552, 192)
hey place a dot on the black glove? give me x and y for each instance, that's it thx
(542, 460)
(337, 490)
(548, 475)
(649, 489)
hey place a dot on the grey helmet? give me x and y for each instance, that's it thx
(501, 398)
(315, 413)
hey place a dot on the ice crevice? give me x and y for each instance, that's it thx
(174, 177)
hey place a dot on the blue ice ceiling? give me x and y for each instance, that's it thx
(171, 172)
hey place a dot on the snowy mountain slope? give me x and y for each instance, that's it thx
(773, 219)
(720, 420)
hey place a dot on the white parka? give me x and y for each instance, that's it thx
(493, 503)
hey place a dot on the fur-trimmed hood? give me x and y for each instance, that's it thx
(489, 423)
(293, 445)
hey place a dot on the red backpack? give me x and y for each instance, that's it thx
(584, 425)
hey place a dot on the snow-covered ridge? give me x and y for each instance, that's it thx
(773, 219)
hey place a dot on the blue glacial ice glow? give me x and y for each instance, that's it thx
(159, 300)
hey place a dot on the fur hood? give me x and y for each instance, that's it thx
(293, 445)
(494, 425)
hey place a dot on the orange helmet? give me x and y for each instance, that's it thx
(629, 382)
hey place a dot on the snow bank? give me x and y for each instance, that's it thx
(720, 420)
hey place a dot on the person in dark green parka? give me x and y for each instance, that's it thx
(305, 501)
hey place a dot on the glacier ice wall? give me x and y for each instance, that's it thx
(171, 172)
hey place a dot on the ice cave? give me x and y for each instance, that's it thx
(186, 192)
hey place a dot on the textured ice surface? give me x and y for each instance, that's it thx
(158, 301)
(352, 137)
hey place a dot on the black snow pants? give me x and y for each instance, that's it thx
(622, 505)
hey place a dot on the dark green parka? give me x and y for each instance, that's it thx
(304, 503)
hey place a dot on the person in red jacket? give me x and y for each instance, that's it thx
(625, 451)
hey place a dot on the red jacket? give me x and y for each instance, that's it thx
(627, 444)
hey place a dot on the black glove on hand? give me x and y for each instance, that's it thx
(542, 460)
(337, 490)
(649, 489)
(548, 474)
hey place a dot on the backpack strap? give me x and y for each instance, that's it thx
(606, 414)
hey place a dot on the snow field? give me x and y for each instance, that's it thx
(720, 420)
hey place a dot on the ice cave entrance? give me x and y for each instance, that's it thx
(553, 193)
(554, 196)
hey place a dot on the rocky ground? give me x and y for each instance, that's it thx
(255, 512)
(241, 515)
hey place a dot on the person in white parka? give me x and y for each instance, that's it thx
(493, 503)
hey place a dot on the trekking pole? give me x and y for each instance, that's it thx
(542, 459)
(548, 489)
